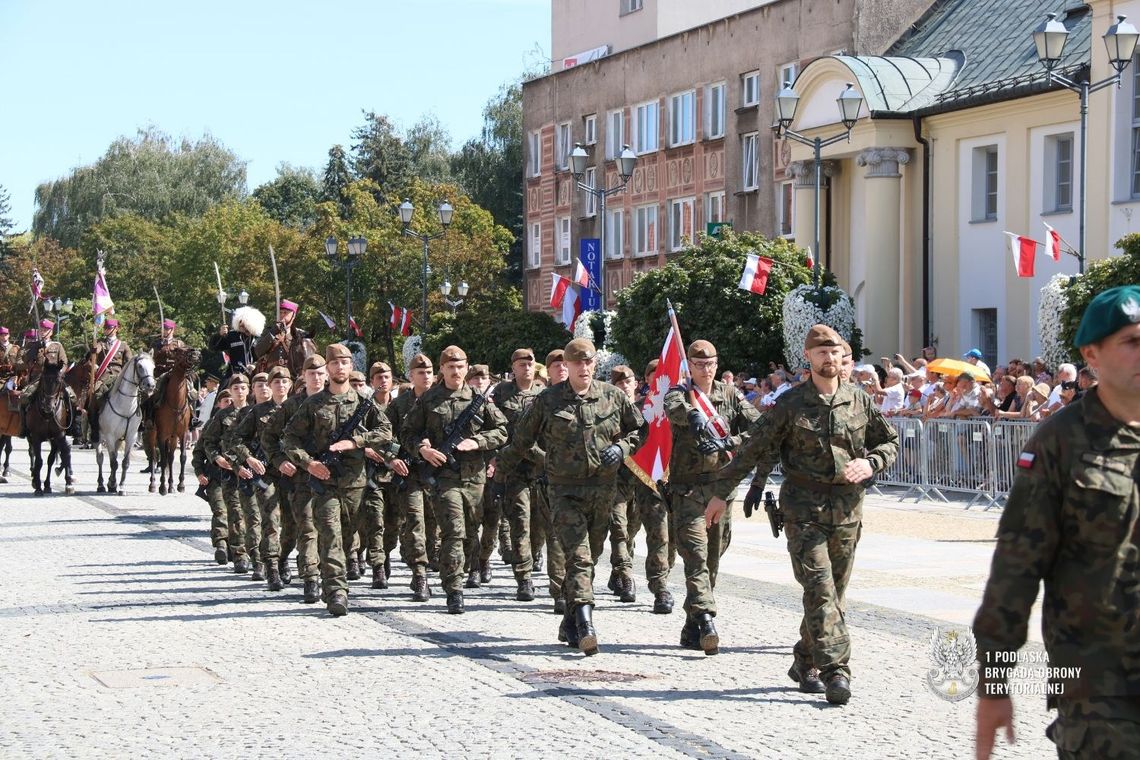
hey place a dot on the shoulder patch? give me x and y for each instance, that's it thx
(1026, 460)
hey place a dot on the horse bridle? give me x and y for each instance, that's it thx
(123, 380)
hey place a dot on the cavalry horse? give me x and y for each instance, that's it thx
(9, 427)
(172, 414)
(81, 379)
(119, 418)
(49, 416)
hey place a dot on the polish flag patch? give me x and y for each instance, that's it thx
(1025, 461)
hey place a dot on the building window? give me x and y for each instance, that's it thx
(615, 234)
(535, 257)
(714, 207)
(590, 129)
(785, 210)
(750, 88)
(564, 146)
(714, 111)
(786, 74)
(1058, 173)
(615, 133)
(645, 128)
(750, 161)
(985, 184)
(985, 327)
(590, 179)
(535, 151)
(680, 222)
(645, 230)
(682, 118)
(630, 6)
(562, 255)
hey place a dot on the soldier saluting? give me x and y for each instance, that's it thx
(830, 439)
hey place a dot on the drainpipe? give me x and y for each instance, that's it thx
(927, 262)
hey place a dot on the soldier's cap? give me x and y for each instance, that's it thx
(337, 351)
(261, 377)
(377, 368)
(420, 361)
(169, 324)
(579, 350)
(621, 372)
(451, 354)
(237, 378)
(652, 366)
(356, 376)
(47, 324)
(287, 305)
(278, 373)
(316, 361)
(211, 376)
(29, 334)
(557, 355)
(110, 324)
(1110, 311)
(701, 349)
(478, 370)
(522, 353)
(846, 348)
(224, 394)
(822, 335)
(3, 330)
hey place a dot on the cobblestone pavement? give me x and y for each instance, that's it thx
(122, 638)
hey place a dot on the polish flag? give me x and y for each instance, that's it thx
(650, 463)
(755, 277)
(1023, 250)
(1052, 242)
(355, 327)
(581, 274)
(400, 320)
(565, 298)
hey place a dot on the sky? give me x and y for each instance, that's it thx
(275, 81)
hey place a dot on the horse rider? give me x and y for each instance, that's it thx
(9, 355)
(39, 353)
(165, 351)
(283, 344)
(247, 324)
(111, 356)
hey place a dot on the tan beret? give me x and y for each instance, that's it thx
(522, 353)
(237, 378)
(579, 350)
(420, 361)
(356, 376)
(822, 335)
(701, 349)
(261, 377)
(224, 394)
(451, 354)
(846, 348)
(280, 372)
(316, 361)
(337, 351)
(621, 372)
(478, 370)
(377, 368)
(557, 355)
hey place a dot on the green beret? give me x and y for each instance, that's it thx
(1111, 310)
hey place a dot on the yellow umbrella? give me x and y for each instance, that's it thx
(955, 367)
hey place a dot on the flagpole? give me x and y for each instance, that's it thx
(677, 337)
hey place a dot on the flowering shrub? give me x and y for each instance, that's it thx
(608, 358)
(1050, 311)
(412, 346)
(804, 306)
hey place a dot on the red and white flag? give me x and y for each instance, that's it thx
(650, 463)
(1023, 250)
(1052, 242)
(329, 323)
(755, 277)
(581, 274)
(565, 300)
(703, 404)
(37, 284)
(355, 327)
(401, 319)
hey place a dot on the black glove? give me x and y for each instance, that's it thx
(706, 444)
(498, 491)
(753, 498)
(696, 421)
(611, 456)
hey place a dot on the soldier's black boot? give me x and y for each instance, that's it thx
(241, 565)
(379, 578)
(525, 592)
(312, 591)
(284, 571)
(455, 602)
(808, 679)
(258, 571)
(626, 591)
(485, 571)
(338, 605)
(691, 635)
(709, 641)
(352, 571)
(559, 606)
(615, 579)
(568, 631)
(587, 636)
(387, 568)
(537, 566)
(838, 688)
(420, 590)
(662, 602)
(221, 553)
(472, 579)
(273, 578)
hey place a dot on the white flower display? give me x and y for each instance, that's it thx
(800, 314)
(412, 346)
(608, 358)
(1053, 303)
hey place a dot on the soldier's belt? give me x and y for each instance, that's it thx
(827, 489)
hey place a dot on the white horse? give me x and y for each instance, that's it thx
(120, 417)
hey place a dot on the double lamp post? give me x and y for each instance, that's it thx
(446, 211)
(355, 249)
(626, 162)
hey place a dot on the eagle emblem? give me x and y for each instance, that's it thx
(954, 654)
(1131, 310)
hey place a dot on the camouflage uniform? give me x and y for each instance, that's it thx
(307, 435)
(457, 491)
(263, 506)
(1073, 521)
(219, 523)
(419, 536)
(251, 506)
(380, 518)
(300, 498)
(517, 474)
(692, 478)
(222, 491)
(814, 437)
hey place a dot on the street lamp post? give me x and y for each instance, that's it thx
(446, 210)
(850, 101)
(61, 309)
(1120, 40)
(445, 288)
(626, 163)
(355, 248)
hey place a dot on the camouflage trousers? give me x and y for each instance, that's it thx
(416, 506)
(219, 519)
(581, 520)
(302, 507)
(283, 488)
(541, 529)
(1105, 728)
(517, 503)
(379, 523)
(235, 517)
(251, 524)
(555, 551)
(822, 559)
(270, 524)
(456, 505)
(334, 514)
(643, 508)
(489, 513)
(700, 548)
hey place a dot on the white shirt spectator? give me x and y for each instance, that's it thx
(894, 399)
(207, 407)
(971, 400)
(770, 399)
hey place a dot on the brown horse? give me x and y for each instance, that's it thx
(9, 427)
(49, 417)
(173, 411)
(80, 377)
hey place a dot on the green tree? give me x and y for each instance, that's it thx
(379, 153)
(291, 197)
(152, 176)
(1098, 277)
(336, 179)
(429, 149)
(6, 223)
(62, 269)
(701, 282)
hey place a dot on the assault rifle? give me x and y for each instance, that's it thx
(752, 503)
(257, 481)
(333, 460)
(453, 433)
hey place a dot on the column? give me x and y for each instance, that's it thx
(803, 176)
(879, 229)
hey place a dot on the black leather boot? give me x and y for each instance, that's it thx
(338, 605)
(838, 688)
(808, 679)
(662, 603)
(273, 578)
(241, 565)
(352, 571)
(568, 631)
(284, 571)
(626, 590)
(587, 636)
(455, 602)
(221, 553)
(485, 571)
(258, 571)
(691, 635)
(312, 591)
(709, 641)
(559, 606)
(525, 592)
(379, 578)
(472, 579)
(420, 590)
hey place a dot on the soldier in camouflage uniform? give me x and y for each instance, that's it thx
(235, 448)
(213, 447)
(308, 436)
(830, 439)
(541, 511)
(481, 542)
(625, 519)
(704, 435)
(586, 427)
(515, 475)
(380, 517)
(210, 476)
(458, 487)
(314, 375)
(1073, 521)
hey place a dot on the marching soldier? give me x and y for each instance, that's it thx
(1073, 521)
(283, 344)
(215, 453)
(481, 541)
(38, 354)
(380, 518)
(541, 512)
(586, 428)
(459, 473)
(236, 444)
(210, 478)
(830, 440)
(301, 497)
(327, 437)
(247, 324)
(708, 421)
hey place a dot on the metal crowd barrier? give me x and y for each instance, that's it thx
(1010, 437)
